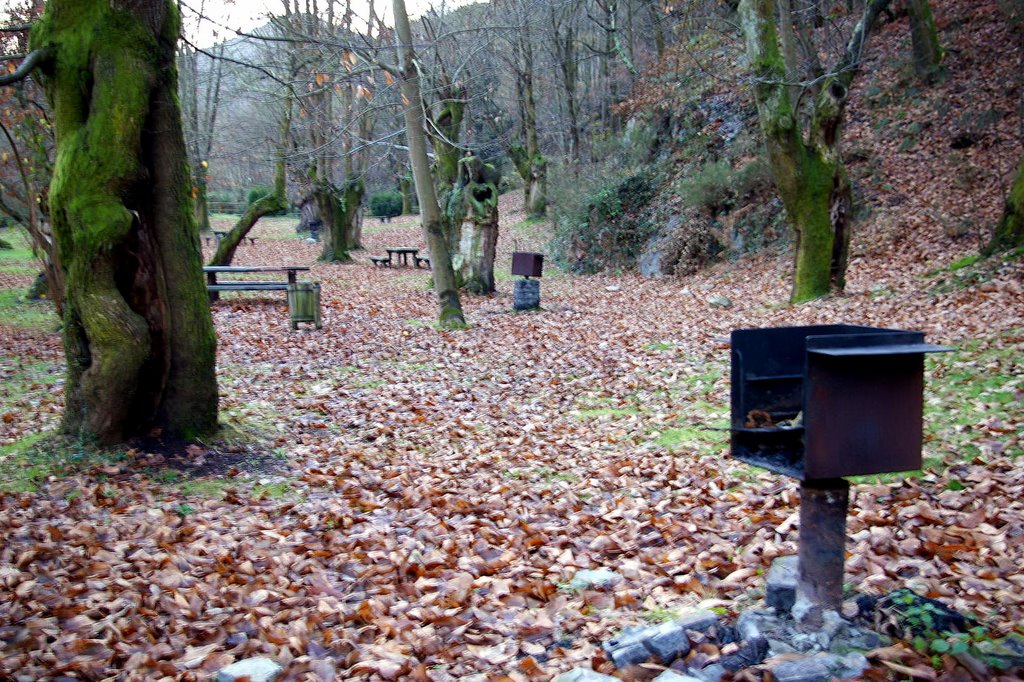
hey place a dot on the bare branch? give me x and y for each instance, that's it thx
(33, 60)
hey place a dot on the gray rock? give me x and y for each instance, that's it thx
(751, 652)
(802, 670)
(635, 645)
(255, 669)
(710, 673)
(672, 676)
(780, 586)
(777, 646)
(697, 620)
(833, 624)
(628, 647)
(668, 642)
(601, 577)
(849, 667)
(751, 623)
(584, 675)
(719, 301)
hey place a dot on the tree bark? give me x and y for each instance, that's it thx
(807, 166)
(924, 40)
(478, 192)
(1009, 231)
(450, 315)
(138, 335)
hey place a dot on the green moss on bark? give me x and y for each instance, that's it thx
(138, 335)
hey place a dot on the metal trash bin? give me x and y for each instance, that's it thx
(304, 303)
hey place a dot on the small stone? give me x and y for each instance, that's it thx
(252, 669)
(851, 666)
(776, 647)
(601, 577)
(719, 301)
(751, 623)
(780, 586)
(613, 288)
(751, 653)
(701, 621)
(711, 673)
(669, 642)
(672, 676)
(803, 670)
(584, 675)
(628, 647)
(833, 624)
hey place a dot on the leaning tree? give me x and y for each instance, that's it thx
(138, 335)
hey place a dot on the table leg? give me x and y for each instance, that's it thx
(291, 277)
(211, 278)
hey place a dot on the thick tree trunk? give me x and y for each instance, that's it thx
(807, 167)
(405, 186)
(451, 315)
(924, 40)
(478, 192)
(202, 208)
(1009, 232)
(138, 336)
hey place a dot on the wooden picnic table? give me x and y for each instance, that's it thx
(214, 287)
(402, 252)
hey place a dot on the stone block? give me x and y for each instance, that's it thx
(250, 669)
(586, 579)
(628, 647)
(672, 676)
(802, 670)
(710, 673)
(697, 620)
(780, 586)
(668, 642)
(584, 675)
(526, 294)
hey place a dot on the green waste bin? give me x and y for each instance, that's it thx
(304, 303)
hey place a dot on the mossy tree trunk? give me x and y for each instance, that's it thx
(406, 187)
(478, 191)
(526, 155)
(806, 165)
(446, 128)
(138, 336)
(451, 315)
(266, 205)
(924, 40)
(1009, 232)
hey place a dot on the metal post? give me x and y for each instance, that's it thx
(823, 506)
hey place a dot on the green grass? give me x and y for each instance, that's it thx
(16, 311)
(211, 488)
(28, 463)
(703, 440)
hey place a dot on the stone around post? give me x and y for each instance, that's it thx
(526, 294)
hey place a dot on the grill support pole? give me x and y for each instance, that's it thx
(823, 506)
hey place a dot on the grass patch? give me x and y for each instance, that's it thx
(660, 346)
(613, 412)
(703, 440)
(17, 311)
(210, 488)
(28, 463)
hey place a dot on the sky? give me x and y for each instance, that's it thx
(225, 17)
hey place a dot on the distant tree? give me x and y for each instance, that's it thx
(138, 335)
(803, 143)
(1009, 231)
(445, 285)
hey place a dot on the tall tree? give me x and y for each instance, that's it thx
(138, 336)
(803, 147)
(1009, 231)
(430, 212)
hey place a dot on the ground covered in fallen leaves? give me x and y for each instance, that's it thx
(394, 501)
(421, 498)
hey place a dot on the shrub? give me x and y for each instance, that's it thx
(386, 204)
(716, 187)
(602, 226)
(258, 192)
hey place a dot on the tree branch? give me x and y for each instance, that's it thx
(34, 59)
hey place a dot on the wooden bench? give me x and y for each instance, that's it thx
(421, 260)
(214, 287)
(220, 235)
(381, 261)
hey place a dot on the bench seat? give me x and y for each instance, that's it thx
(248, 286)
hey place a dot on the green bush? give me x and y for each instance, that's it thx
(603, 225)
(258, 192)
(716, 187)
(386, 204)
